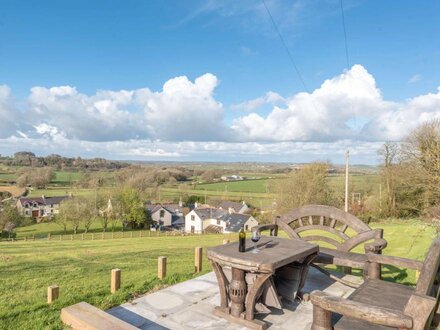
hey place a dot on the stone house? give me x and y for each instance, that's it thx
(39, 207)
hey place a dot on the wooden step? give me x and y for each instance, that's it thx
(85, 316)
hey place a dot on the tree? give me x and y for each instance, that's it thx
(9, 219)
(88, 210)
(305, 186)
(130, 208)
(421, 149)
(389, 153)
(37, 177)
(69, 215)
(411, 173)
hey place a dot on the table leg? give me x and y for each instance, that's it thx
(254, 293)
(237, 292)
(222, 283)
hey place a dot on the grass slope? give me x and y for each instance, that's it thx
(82, 269)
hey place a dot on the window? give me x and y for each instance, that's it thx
(193, 217)
(162, 213)
(218, 222)
(246, 228)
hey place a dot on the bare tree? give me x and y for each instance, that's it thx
(305, 186)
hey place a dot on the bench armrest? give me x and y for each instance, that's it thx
(395, 261)
(376, 246)
(272, 227)
(360, 311)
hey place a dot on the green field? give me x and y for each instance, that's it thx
(257, 186)
(42, 229)
(50, 192)
(82, 269)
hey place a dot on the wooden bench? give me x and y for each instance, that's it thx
(334, 227)
(380, 305)
(85, 316)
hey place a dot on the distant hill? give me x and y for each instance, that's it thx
(26, 158)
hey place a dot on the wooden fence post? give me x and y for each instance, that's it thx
(149, 233)
(115, 280)
(48, 236)
(33, 237)
(140, 234)
(198, 254)
(225, 241)
(113, 235)
(131, 234)
(61, 237)
(122, 235)
(93, 236)
(102, 235)
(161, 267)
(25, 238)
(53, 292)
(82, 237)
(71, 237)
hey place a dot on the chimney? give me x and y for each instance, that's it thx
(243, 203)
(180, 202)
(230, 210)
(196, 205)
(44, 197)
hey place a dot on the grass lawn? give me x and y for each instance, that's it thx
(258, 186)
(42, 229)
(82, 270)
(60, 191)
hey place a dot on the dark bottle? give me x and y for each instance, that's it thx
(241, 240)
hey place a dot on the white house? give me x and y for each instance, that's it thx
(217, 220)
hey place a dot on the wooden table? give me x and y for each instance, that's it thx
(274, 253)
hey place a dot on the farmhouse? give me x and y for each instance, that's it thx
(234, 207)
(39, 207)
(167, 215)
(233, 177)
(217, 221)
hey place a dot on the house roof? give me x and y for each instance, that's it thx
(42, 200)
(233, 205)
(209, 213)
(153, 207)
(172, 208)
(235, 221)
(178, 220)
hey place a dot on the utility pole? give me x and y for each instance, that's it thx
(347, 154)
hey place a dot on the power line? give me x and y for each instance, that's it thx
(345, 36)
(285, 47)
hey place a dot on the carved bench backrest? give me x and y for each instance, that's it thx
(329, 219)
(428, 283)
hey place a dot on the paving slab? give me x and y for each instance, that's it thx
(188, 306)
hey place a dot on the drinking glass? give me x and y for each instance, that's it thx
(255, 238)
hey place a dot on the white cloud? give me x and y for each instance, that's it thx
(182, 110)
(323, 115)
(184, 120)
(251, 105)
(414, 79)
(349, 106)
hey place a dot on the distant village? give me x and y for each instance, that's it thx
(227, 217)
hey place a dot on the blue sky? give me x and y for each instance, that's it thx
(93, 46)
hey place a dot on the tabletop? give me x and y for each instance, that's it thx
(274, 252)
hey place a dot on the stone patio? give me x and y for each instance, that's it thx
(188, 305)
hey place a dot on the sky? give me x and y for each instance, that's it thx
(213, 80)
